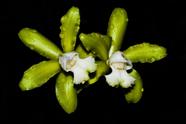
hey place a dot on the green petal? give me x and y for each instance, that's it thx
(102, 68)
(145, 52)
(96, 43)
(116, 28)
(39, 74)
(136, 93)
(37, 42)
(69, 29)
(81, 51)
(65, 93)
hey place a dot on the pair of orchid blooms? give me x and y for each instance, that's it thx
(96, 54)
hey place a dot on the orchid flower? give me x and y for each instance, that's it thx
(120, 62)
(109, 52)
(62, 62)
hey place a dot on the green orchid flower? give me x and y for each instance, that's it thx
(109, 52)
(120, 62)
(62, 62)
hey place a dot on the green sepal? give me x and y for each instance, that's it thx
(39, 74)
(145, 53)
(96, 43)
(136, 93)
(101, 70)
(81, 51)
(116, 28)
(37, 42)
(65, 93)
(69, 29)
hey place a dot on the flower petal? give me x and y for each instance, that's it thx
(119, 77)
(87, 64)
(100, 71)
(69, 29)
(112, 79)
(65, 93)
(80, 75)
(96, 43)
(116, 28)
(81, 51)
(145, 52)
(39, 74)
(37, 42)
(126, 80)
(136, 93)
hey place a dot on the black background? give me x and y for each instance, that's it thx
(154, 22)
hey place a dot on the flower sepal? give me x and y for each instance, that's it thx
(96, 43)
(145, 53)
(66, 93)
(136, 92)
(39, 74)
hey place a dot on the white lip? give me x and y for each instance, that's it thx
(80, 67)
(119, 76)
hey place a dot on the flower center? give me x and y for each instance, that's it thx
(68, 60)
(119, 62)
(70, 63)
(118, 65)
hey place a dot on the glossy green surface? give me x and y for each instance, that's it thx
(39, 74)
(96, 43)
(81, 51)
(145, 52)
(69, 29)
(65, 93)
(101, 70)
(37, 42)
(116, 28)
(136, 93)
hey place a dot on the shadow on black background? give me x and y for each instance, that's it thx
(153, 22)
